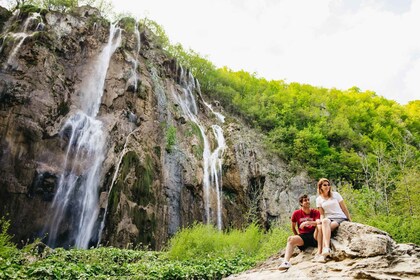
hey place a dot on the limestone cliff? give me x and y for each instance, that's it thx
(151, 178)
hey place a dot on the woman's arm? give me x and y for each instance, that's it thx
(321, 211)
(345, 210)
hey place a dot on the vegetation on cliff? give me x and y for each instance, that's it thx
(366, 144)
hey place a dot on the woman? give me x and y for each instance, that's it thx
(333, 212)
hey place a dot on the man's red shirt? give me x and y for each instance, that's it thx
(299, 216)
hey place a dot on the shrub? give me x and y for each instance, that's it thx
(7, 247)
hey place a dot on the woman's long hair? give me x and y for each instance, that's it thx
(322, 181)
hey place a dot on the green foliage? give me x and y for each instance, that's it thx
(128, 23)
(161, 37)
(224, 254)
(205, 241)
(403, 229)
(7, 248)
(58, 5)
(170, 138)
(105, 7)
(366, 206)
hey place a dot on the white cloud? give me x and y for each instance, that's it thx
(372, 44)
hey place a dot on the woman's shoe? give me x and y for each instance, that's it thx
(319, 258)
(326, 252)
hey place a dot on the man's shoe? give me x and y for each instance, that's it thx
(285, 265)
(319, 258)
(326, 252)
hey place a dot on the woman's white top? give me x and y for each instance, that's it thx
(331, 206)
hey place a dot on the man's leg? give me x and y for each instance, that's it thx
(292, 242)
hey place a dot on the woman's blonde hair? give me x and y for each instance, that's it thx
(322, 181)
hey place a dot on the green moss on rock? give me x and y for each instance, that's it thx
(141, 186)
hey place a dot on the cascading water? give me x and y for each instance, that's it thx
(212, 162)
(76, 201)
(133, 80)
(216, 169)
(20, 38)
(132, 118)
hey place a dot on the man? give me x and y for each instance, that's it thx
(307, 229)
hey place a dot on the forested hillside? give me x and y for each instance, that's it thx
(366, 144)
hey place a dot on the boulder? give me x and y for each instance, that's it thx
(358, 252)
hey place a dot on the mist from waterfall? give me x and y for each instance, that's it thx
(75, 204)
(212, 161)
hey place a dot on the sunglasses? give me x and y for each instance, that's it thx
(324, 185)
(305, 199)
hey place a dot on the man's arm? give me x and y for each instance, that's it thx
(295, 232)
(308, 223)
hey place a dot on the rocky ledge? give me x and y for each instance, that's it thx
(359, 252)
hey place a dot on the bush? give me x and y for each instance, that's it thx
(402, 229)
(203, 241)
(7, 247)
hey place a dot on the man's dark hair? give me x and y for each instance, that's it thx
(302, 197)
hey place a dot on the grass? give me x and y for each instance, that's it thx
(198, 252)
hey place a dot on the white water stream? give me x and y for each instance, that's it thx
(76, 200)
(212, 161)
(20, 37)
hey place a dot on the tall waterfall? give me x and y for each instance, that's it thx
(132, 118)
(76, 201)
(212, 161)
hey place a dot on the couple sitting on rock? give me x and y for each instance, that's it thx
(312, 228)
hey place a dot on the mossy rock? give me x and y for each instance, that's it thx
(4, 16)
(45, 39)
(128, 24)
(141, 188)
(146, 225)
(25, 10)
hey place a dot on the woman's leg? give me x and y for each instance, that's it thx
(327, 228)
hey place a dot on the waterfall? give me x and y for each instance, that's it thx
(20, 37)
(212, 161)
(133, 80)
(216, 169)
(76, 201)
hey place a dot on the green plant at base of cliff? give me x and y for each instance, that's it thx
(170, 138)
(201, 241)
(7, 248)
(207, 253)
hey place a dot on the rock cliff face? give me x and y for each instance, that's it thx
(359, 252)
(151, 178)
